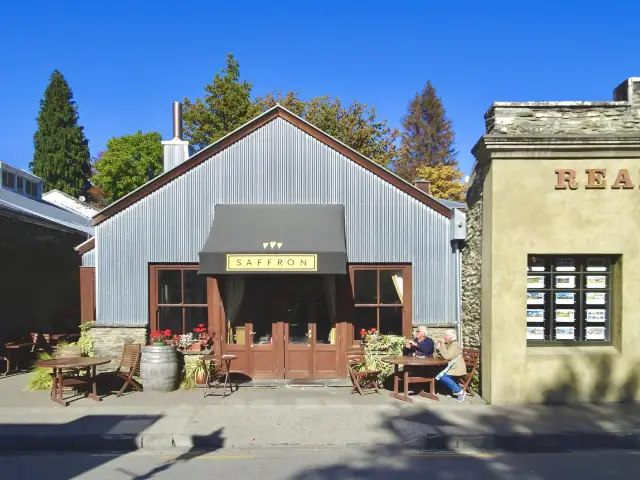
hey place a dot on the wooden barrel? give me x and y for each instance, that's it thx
(159, 368)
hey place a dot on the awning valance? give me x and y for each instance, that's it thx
(275, 239)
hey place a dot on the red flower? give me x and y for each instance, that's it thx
(363, 332)
(167, 333)
(201, 325)
(373, 330)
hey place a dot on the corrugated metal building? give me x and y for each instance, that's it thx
(400, 243)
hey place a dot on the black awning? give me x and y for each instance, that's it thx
(275, 239)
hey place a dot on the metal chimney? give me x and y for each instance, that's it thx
(176, 150)
(177, 120)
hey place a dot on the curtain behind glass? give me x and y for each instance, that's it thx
(233, 293)
(329, 282)
(398, 283)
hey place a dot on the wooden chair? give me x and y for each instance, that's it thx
(363, 379)
(129, 366)
(471, 359)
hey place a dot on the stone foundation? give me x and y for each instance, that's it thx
(110, 340)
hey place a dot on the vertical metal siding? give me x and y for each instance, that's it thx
(89, 258)
(276, 164)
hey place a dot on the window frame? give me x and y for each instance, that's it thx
(155, 305)
(407, 287)
(34, 188)
(579, 305)
(6, 174)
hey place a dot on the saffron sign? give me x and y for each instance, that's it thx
(272, 262)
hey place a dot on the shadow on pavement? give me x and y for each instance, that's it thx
(102, 437)
(424, 436)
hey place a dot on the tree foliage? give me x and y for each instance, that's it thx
(427, 135)
(355, 125)
(61, 155)
(446, 181)
(226, 106)
(128, 162)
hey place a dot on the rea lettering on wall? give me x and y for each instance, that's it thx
(594, 179)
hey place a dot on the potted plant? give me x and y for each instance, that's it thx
(195, 373)
(204, 341)
(184, 342)
(159, 338)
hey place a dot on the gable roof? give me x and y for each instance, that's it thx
(248, 128)
(45, 210)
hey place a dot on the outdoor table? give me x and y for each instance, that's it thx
(58, 364)
(13, 350)
(410, 361)
(227, 368)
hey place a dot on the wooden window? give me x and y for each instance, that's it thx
(569, 299)
(179, 295)
(381, 295)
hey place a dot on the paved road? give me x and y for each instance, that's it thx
(322, 464)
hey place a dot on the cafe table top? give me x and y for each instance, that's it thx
(219, 357)
(73, 362)
(414, 361)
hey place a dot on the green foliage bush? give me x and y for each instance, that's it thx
(41, 377)
(376, 347)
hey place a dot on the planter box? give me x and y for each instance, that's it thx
(196, 347)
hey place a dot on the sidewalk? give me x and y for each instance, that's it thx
(309, 417)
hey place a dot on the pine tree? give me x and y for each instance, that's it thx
(226, 106)
(427, 136)
(61, 154)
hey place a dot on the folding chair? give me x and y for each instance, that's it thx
(471, 359)
(362, 379)
(129, 366)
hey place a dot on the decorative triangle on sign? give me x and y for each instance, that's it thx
(273, 244)
(279, 244)
(265, 245)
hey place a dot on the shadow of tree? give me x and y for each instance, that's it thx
(115, 434)
(561, 423)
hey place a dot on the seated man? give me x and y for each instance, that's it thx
(422, 345)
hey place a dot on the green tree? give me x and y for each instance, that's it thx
(355, 125)
(446, 181)
(61, 154)
(226, 106)
(427, 135)
(128, 162)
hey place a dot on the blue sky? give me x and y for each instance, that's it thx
(127, 61)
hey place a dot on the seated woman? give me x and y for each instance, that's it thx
(449, 349)
(421, 345)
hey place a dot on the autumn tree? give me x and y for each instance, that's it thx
(128, 162)
(61, 155)
(427, 136)
(446, 181)
(225, 106)
(355, 125)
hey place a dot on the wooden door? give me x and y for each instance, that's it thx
(263, 330)
(87, 294)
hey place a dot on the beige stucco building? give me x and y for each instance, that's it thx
(551, 272)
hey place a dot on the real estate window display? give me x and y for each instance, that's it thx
(569, 299)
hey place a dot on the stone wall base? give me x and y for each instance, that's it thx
(110, 340)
